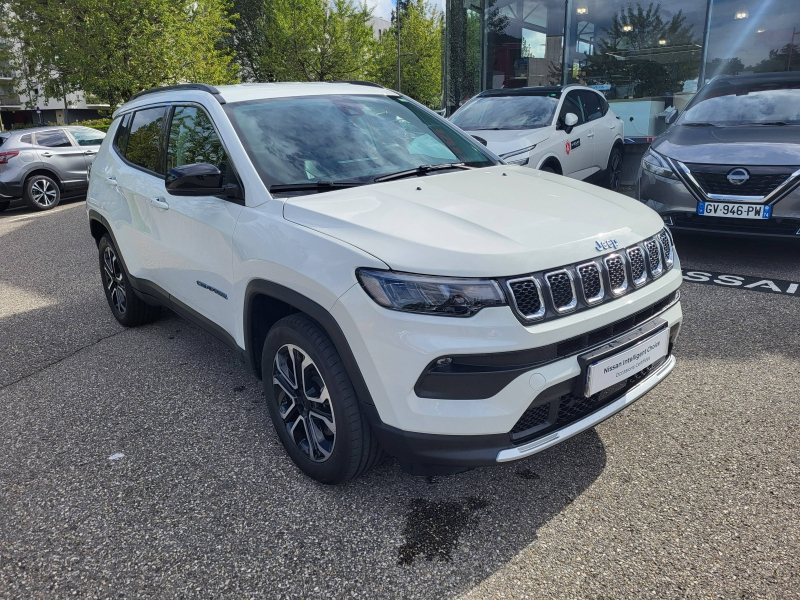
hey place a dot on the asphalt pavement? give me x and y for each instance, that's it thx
(142, 463)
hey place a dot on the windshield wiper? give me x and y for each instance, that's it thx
(313, 186)
(420, 170)
(771, 123)
(700, 124)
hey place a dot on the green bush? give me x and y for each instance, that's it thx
(100, 124)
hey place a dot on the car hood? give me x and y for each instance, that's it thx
(488, 222)
(742, 145)
(509, 140)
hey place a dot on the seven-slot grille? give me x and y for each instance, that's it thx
(562, 290)
(612, 276)
(591, 282)
(527, 297)
(638, 269)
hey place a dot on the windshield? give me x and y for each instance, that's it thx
(507, 112)
(349, 138)
(727, 104)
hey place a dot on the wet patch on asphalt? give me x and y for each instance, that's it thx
(527, 474)
(433, 528)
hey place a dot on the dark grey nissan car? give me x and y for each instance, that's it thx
(730, 162)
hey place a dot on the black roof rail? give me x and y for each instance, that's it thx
(357, 82)
(203, 87)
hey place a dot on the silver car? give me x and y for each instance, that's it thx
(45, 164)
(730, 163)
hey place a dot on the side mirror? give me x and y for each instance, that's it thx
(570, 120)
(201, 179)
(670, 118)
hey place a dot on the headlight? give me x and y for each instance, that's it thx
(518, 157)
(653, 163)
(446, 296)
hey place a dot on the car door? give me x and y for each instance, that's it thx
(195, 233)
(605, 128)
(139, 177)
(57, 151)
(577, 149)
(89, 140)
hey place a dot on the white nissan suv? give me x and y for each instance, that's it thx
(395, 286)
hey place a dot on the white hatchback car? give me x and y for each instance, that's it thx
(569, 130)
(393, 285)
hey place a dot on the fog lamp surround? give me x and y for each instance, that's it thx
(653, 163)
(431, 295)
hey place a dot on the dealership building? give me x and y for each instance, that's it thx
(646, 58)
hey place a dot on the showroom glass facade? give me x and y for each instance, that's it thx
(645, 57)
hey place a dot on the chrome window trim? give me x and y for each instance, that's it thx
(621, 290)
(637, 283)
(539, 314)
(599, 297)
(574, 303)
(659, 271)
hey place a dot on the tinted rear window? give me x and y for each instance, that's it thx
(3, 139)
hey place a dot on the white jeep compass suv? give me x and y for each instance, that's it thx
(395, 286)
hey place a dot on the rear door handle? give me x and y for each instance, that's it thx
(590, 134)
(159, 203)
(47, 154)
(111, 180)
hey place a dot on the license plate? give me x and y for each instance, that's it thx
(614, 369)
(731, 209)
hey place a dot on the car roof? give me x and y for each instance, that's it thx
(46, 128)
(243, 92)
(533, 91)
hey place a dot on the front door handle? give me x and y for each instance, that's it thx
(90, 152)
(590, 134)
(159, 203)
(111, 180)
(47, 154)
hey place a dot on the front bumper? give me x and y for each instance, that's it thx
(676, 204)
(393, 349)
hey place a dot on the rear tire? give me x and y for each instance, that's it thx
(41, 193)
(613, 174)
(4, 204)
(127, 307)
(549, 169)
(313, 404)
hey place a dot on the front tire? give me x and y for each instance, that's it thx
(313, 404)
(127, 307)
(41, 193)
(613, 175)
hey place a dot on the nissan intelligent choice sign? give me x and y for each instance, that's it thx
(610, 371)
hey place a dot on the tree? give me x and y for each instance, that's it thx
(246, 41)
(631, 55)
(421, 41)
(724, 66)
(111, 50)
(785, 59)
(314, 40)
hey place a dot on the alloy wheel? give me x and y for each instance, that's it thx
(44, 193)
(304, 402)
(616, 171)
(112, 277)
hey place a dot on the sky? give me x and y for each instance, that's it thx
(383, 8)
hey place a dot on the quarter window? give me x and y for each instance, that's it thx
(54, 138)
(26, 139)
(145, 139)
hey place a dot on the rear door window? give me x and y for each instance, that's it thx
(146, 137)
(55, 138)
(592, 105)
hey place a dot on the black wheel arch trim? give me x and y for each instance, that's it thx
(316, 312)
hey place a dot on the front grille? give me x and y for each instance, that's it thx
(533, 417)
(637, 264)
(571, 408)
(757, 185)
(590, 280)
(616, 273)
(581, 286)
(527, 296)
(653, 256)
(561, 290)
